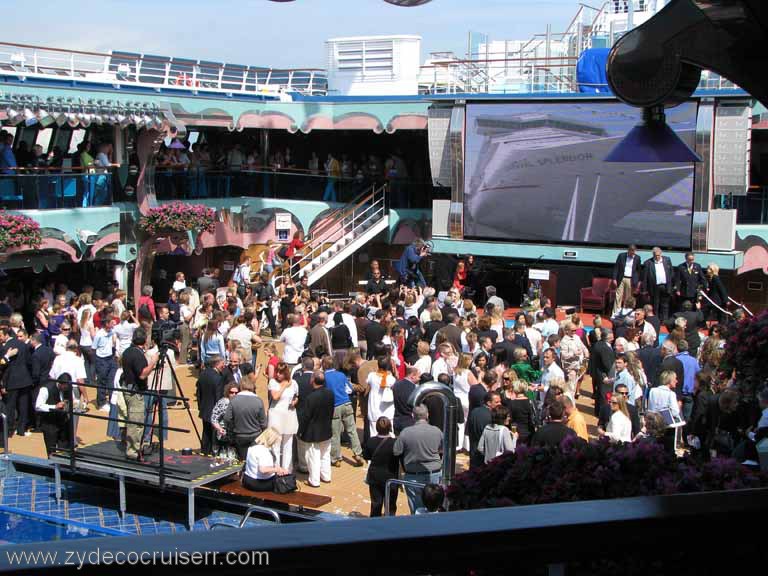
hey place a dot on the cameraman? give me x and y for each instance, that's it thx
(265, 295)
(136, 369)
(408, 265)
(164, 324)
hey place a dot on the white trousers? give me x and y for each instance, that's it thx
(301, 452)
(283, 452)
(318, 457)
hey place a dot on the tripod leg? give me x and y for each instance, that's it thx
(177, 384)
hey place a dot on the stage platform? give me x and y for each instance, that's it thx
(108, 460)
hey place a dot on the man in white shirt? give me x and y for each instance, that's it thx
(295, 340)
(551, 370)
(51, 407)
(244, 336)
(445, 362)
(104, 343)
(663, 397)
(550, 325)
(347, 319)
(70, 362)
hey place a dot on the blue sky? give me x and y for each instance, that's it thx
(267, 33)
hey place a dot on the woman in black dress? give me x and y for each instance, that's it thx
(716, 292)
(287, 300)
(384, 465)
(521, 409)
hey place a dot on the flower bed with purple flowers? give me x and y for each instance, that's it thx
(17, 231)
(746, 354)
(178, 217)
(580, 471)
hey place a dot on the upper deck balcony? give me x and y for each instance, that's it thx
(128, 70)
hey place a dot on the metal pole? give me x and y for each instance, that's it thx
(72, 438)
(450, 412)
(7, 451)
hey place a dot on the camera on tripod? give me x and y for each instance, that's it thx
(166, 335)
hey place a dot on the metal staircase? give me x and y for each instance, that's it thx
(346, 231)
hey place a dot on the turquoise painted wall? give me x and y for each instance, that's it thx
(585, 255)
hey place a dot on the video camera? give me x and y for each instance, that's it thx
(165, 335)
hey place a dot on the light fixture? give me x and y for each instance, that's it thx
(45, 118)
(29, 117)
(407, 3)
(98, 119)
(14, 116)
(85, 119)
(61, 118)
(73, 120)
(652, 141)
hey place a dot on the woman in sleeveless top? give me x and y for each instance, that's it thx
(463, 379)
(283, 394)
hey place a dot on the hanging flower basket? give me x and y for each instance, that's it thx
(18, 231)
(178, 217)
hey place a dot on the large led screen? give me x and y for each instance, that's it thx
(535, 172)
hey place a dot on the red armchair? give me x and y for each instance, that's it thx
(596, 297)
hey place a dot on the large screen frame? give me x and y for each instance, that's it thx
(645, 243)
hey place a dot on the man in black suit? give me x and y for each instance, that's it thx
(402, 391)
(451, 330)
(601, 363)
(232, 373)
(555, 430)
(42, 360)
(316, 431)
(650, 357)
(210, 388)
(478, 419)
(303, 378)
(17, 380)
(626, 276)
(689, 279)
(375, 332)
(659, 280)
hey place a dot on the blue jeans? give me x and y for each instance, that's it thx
(687, 407)
(414, 494)
(105, 379)
(149, 409)
(330, 191)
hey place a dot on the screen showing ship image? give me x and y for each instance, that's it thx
(535, 172)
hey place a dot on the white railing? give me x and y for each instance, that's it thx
(126, 69)
(348, 225)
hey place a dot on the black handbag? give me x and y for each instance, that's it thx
(285, 484)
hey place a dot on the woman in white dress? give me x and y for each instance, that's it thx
(381, 401)
(619, 427)
(283, 394)
(463, 378)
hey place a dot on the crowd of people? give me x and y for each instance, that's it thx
(328, 361)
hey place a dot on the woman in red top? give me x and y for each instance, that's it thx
(296, 245)
(460, 277)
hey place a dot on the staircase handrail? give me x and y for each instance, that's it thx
(318, 242)
(336, 214)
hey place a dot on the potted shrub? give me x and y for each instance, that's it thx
(17, 231)
(178, 217)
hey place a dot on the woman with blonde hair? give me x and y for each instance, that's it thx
(283, 395)
(463, 379)
(270, 351)
(718, 296)
(260, 467)
(424, 363)
(497, 322)
(87, 333)
(635, 368)
(619, 427)
(521, 409)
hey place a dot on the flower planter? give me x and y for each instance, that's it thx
(177, 217)
(17, 231)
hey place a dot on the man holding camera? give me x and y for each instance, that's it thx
(136, 369)
(408, 265)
